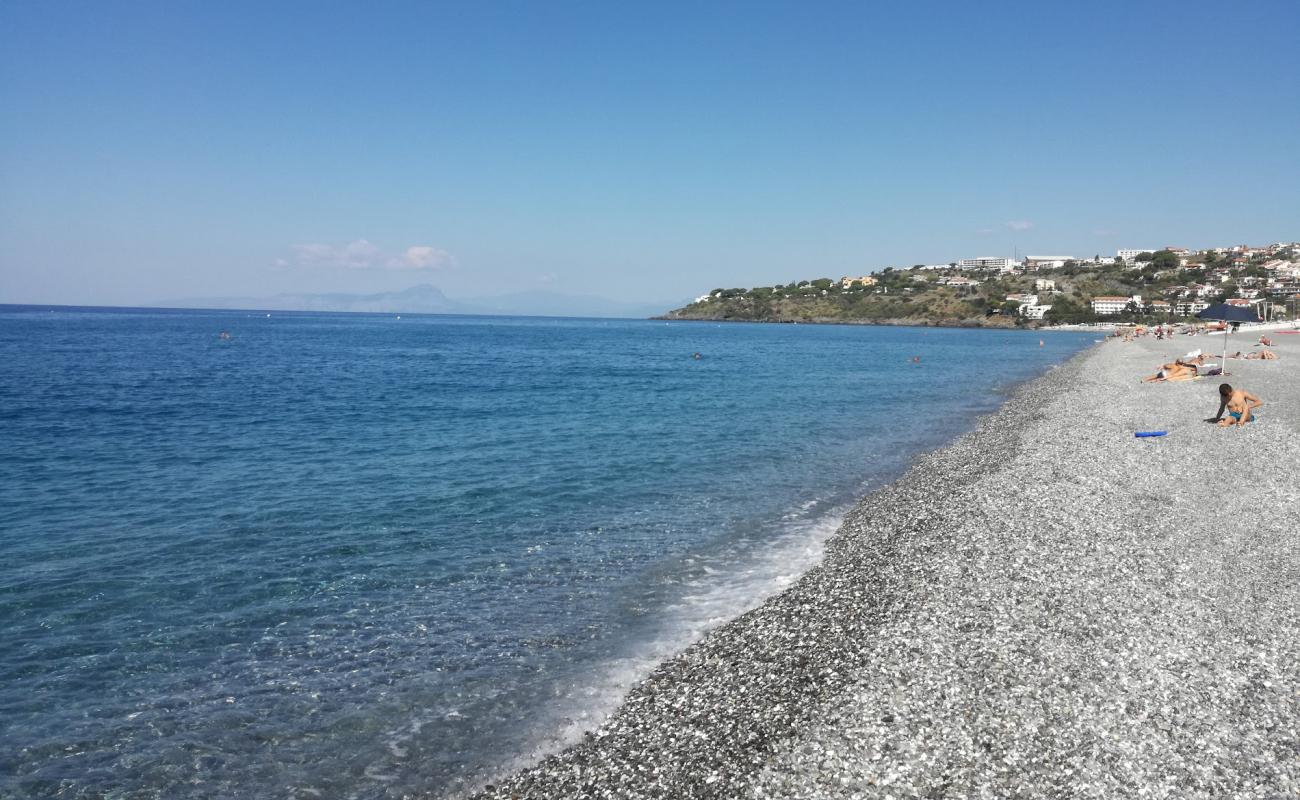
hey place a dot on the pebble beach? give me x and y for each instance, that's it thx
(1048, 607)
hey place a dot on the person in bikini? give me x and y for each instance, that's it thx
(1174, 371)
(1239, 403)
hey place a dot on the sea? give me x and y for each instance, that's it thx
(291, 555)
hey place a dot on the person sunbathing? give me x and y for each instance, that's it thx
(1262, 355)
(1267, 342)
(1175, 371)
(1239, 404)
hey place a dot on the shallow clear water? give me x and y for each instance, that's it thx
(343, 555)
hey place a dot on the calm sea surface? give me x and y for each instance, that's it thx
(363, 556)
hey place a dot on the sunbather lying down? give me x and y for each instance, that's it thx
(1262, 355)
(1175, 371)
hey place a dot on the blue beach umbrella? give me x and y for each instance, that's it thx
(1228, 313)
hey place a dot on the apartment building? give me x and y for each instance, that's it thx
(989, 264)
(1187, 308)
(1109, 306)
(1129, 255)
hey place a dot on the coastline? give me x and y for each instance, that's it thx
(965, 631)
(993, 323)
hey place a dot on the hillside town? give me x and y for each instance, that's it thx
(1182, 282)
(1136, 284)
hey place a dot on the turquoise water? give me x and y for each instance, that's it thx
(343, 555)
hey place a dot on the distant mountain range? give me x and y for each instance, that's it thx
(426, 299)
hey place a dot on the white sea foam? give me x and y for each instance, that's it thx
(723, 586)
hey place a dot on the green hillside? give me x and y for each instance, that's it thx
(918, 296)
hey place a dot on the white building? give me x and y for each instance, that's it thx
(989, 263)
(1109, 306)
(1187, 308)
(1127, 256)
(1046, 262)
(1045, 285)
(1034, 311)
(958, 281)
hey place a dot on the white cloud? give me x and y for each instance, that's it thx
(984, 231)
(423, 256)
(547, 277)
(361, 254)
(1019, 225)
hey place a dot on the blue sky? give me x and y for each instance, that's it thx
(639, 152)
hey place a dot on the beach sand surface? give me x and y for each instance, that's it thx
(1049, 607)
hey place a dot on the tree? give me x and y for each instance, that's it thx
(1164, 259)
(822, 283)
(1144, 256)
(1010, 307)
(1066, 310)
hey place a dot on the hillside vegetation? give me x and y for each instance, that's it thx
(918, 296)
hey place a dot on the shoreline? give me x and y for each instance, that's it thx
(682, 690)
(785, 699)
(891, 322)
(972, 323)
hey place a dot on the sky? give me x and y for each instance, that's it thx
(640, 152)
